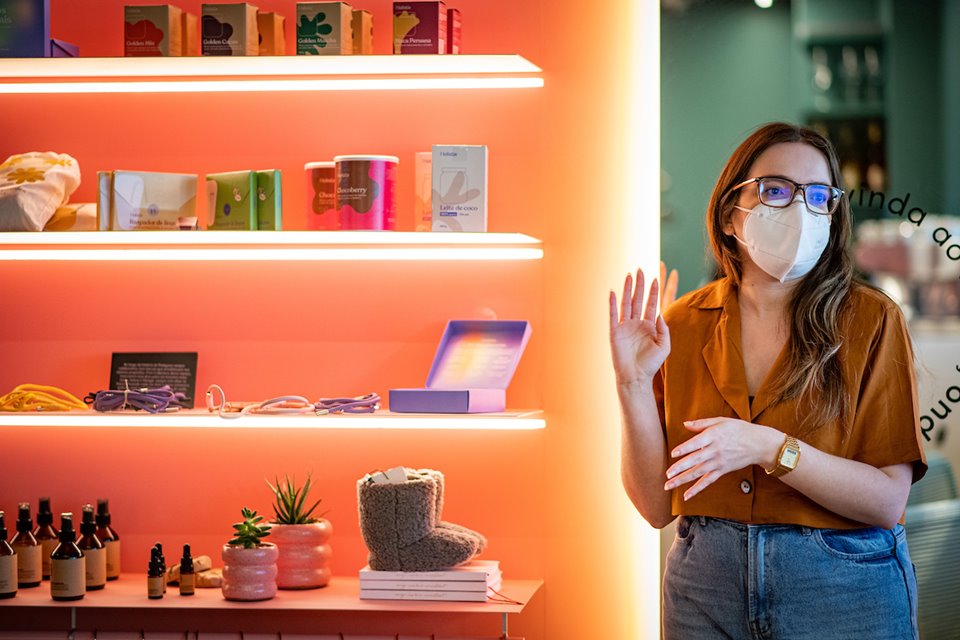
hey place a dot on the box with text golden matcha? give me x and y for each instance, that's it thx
(232, 201)
(152, 30)
(229, 30)
(324, 28)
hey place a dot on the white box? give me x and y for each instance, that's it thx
(459, 190)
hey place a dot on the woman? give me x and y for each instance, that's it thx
(777, 415)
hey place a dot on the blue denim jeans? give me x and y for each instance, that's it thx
(731, 580)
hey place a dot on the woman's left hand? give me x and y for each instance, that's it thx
(721, 446)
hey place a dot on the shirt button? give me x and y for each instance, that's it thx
(745, 486)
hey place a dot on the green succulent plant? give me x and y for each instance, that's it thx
(250, 532)
(289, 501)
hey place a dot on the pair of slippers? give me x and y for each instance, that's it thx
(401, 526)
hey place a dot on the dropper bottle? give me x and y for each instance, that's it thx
(163, 564)
(67, 565)
(187, 576)
(8, 564)
(155, 577)
(46, 534)
(29, 562)
(93, 550)
(108, 536)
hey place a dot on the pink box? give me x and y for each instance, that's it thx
(473, 366)
(453, 30)
(419, 27)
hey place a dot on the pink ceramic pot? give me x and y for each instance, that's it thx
(250, 574)
(304, 554)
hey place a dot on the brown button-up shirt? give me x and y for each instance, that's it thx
(703, 377)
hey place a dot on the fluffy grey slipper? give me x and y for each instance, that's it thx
(438, 477)
(399, 526)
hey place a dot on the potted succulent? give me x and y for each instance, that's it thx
(249, 563)
(301, 537)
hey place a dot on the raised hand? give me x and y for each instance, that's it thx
(639, 339)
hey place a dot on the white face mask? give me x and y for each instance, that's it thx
(785, 242)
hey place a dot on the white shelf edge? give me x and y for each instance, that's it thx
(266, 246)
(199, 74)
(524, 420)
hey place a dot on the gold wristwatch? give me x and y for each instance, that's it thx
(787, 459)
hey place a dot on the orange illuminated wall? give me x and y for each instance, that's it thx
(549, 501)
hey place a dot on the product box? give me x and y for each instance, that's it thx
(24, 28)
(471, 371)
(419, 27)
(324, 28)
(61, 49)
(154, 30)
(272, 42)
(229, 30)
(146, 201)
(322, 211)
(459, 193)
(362, 32)
(189, 34)
(453, 30)
(269, 200)
(422, 187)
(232, 201)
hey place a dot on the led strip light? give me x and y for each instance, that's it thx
(266, 246)
(274, 73)
(516, 420)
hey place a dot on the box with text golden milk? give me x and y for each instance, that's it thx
(152, 31)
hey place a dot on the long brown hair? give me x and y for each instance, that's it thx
(812, 372)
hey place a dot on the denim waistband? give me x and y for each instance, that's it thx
(705, 521)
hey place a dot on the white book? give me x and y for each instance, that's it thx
(394, 594)
(474, 570)
(432, 585)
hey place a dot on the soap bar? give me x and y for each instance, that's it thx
(200, 564)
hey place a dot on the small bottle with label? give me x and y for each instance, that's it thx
(8, 564)
(29, 562)
(46, 534)
(163, 564)
(109, 538)
(188, 580)
(155, 577)
(93, 550)
(67, 564)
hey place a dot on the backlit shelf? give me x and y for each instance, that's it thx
(268, 73)
(516, 420)
(266, 245)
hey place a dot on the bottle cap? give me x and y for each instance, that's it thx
(44, 515)
(87, 525)
(67, 534)
(186, 562)
(24, 523)
(103, 512)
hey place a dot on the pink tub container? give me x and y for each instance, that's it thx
(366, 192)
(322, 196)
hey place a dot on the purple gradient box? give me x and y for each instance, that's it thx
(474, 364)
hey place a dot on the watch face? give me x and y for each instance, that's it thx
(789, 458)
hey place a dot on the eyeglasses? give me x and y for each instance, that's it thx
(821, 199)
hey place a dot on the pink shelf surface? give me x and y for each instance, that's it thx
(342, 594)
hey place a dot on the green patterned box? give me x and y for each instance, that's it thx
(232, 201)
(324, 28)
(269, 200)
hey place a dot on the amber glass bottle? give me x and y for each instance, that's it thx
(29, 562)
(67, 565)
(108, 536)
(46, 534)
(8, 564)
(93, 551)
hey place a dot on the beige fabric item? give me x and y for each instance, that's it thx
(80, 216)
(33, 186)
(200, 564)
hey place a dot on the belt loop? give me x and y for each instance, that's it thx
(806, 531)
(703, 520)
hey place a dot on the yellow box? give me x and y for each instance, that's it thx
(272, 42)
(362, 32)
(146, 201)
(190, 34)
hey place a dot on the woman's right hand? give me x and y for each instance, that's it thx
(639, 338)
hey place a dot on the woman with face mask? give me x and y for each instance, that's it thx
(775, 412)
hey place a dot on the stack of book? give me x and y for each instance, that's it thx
(470, 582)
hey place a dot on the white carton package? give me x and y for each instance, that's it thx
(146, 201)
(459, 190)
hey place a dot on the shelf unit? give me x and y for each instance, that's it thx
(202, 419)
(126, 599)
(267, 245)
